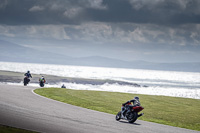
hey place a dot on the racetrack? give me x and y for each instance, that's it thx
(21, 108)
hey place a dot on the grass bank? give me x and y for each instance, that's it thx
(179, 112)
(7, 129)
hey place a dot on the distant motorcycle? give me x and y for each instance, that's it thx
(26, 80)
(130, 115)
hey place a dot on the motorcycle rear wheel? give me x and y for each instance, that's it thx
(25, 84)
(41, 84)
(25, 81)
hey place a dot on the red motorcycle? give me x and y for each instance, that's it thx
(131, 115)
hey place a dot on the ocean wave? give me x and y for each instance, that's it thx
(174, 92)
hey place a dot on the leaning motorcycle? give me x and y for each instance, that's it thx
(131, 115)
(26, 80)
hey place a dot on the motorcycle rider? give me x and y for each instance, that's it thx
(63, 86)
(42, 79)
(28, 74)
(127, 105)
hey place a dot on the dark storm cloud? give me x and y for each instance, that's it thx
(131, 28)
(28, 12)
(145, 11)
(23, 12)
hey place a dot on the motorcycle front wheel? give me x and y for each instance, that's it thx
(118, 116)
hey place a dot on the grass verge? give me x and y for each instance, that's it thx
(179, 112)
(7, 129)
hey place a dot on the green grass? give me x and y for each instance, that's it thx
(179, 112)
(7, 129)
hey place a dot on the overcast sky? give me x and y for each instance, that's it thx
(150, 30)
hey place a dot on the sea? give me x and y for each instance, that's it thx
(153, 82)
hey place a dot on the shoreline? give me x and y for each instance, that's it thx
(17, 77)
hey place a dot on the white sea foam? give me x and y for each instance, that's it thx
(168, 83)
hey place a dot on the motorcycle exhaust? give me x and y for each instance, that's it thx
(141, 114)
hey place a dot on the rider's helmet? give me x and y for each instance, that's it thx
(137, 98)
(28, 71)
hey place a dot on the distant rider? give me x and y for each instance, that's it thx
(127, 105)
(28, 74)
(63, 86)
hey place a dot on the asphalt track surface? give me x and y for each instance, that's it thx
(21, 108)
